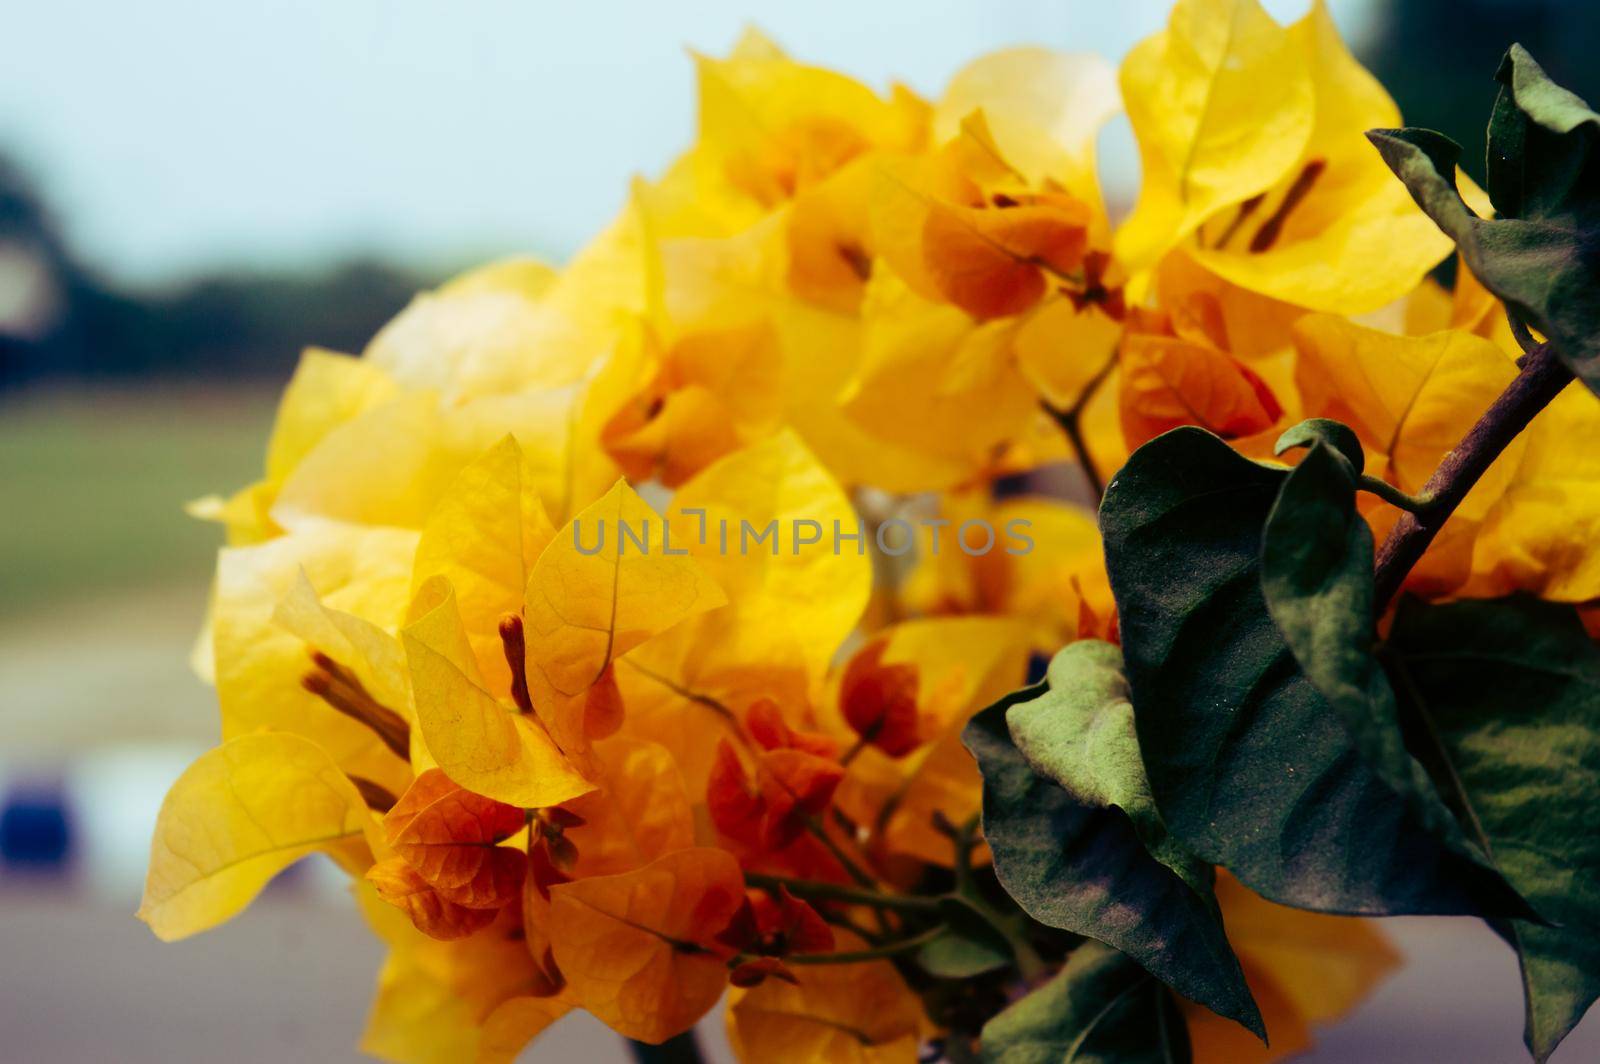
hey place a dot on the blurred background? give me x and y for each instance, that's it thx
(192, 192)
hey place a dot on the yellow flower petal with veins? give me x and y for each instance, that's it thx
(1539, 535)
(485, 536)
(481, 743)
(845, 1014)
(635, 947)
(610, 580)
(326, 391)
(237, 817)
(1209, 135)
(1338, 232)
(259, 663)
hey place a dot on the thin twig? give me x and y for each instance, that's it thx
(1071, 422)
(810, 889)
(1541, 380)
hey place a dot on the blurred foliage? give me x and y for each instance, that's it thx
(1438, 57)
(229, 324)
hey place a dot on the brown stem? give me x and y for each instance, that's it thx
(1071, 422)
(1541, 380)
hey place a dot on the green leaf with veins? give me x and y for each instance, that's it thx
(1542, 254)
(1082, 866)
(1080, 733)
(1505, 695)
(1317, 579)
(1101, 1008)
(1250, 766)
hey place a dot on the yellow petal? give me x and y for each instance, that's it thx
(1044, 108)
(1354, 240)
(513, 1024)
(392, 464)
(641, 811)
(439, 1002)
(237, 817)
(1304, 969)
(1210, 135)
(610, 580)
(1062, 350)
(1539, 536)
(911, 348)
(783, 592)
(259, 663)
(484, 536)
(843, 1014)
(634, 947)
(327, 390)
(479, 742)
(1410, 399)
(372, 653)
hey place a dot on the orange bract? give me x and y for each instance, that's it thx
(996, 261)
(639, 949)
(880, 701)
(401, 885)
(452, 837)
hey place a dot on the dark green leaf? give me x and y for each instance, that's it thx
(1101, 1008)
(971, 946)
(1082, 867)
(1249, 765)
(1335, 434)
(1080, 733)
(1316, 575)
(1508, 693)
(1542, 254)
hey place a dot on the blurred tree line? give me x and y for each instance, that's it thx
(59, 319)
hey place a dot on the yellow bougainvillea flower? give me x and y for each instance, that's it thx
(1304, 969)
(479, 998)
(771, 127)
(260, 664)
(1209, 138)
(518, 326)
(932, 381)
(485, 535)
(1170, 379)
(712, 393)
(638, 949)
(327, 390)
(962, 226)
(791, 604)
(391, 464)
(641, 810)
(854, 1014)
(1044, 110)
(1410, 400)
(240, 815)
(481, 743)
(610, 580)
(1276, 191)
(1537, 536)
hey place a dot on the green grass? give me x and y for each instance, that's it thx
(92, 487)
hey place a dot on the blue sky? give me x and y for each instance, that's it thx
(172, 135)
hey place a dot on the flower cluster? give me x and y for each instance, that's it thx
(637, 781)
